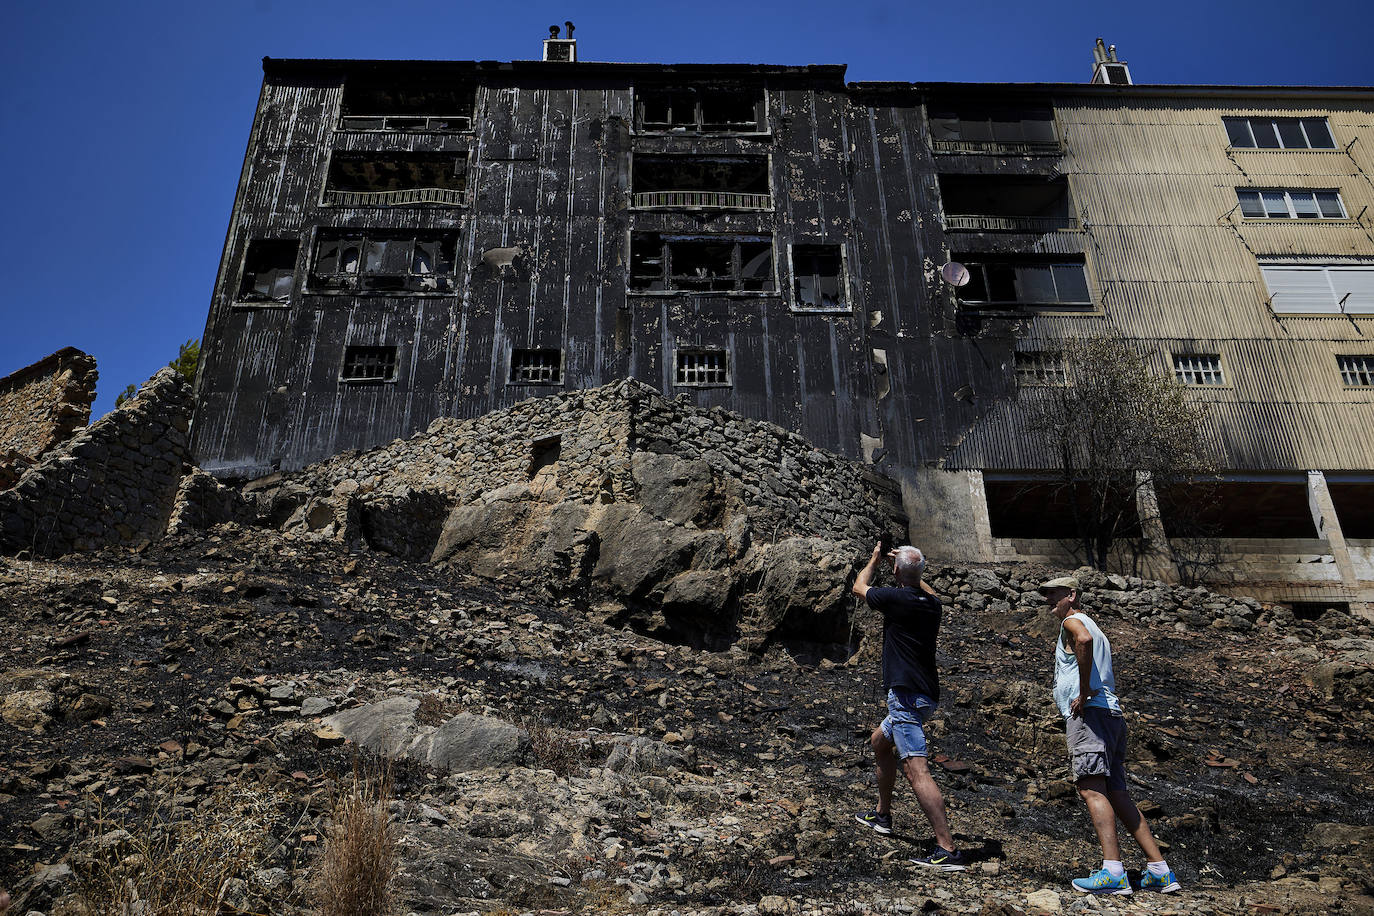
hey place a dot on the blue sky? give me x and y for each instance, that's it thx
(125, 123)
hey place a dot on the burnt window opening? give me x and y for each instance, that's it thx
(716, 182)
(1056, 281)
(990, 203)
(413, 105)
(968, 128)
(369, 364)
(396, 179)
(536, 367)
(384, 261)
(544, 453)
(701, 368)
(1279, 133)
(703, 111)
(679, 263)
(818, 278)
(269, 270)
(1040, 367)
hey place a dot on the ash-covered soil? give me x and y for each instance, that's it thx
(202, 662)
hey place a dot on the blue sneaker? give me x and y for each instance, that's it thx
(1103, 883)
(1165, 884)
(879, 822)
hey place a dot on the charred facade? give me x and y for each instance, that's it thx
(414, 240)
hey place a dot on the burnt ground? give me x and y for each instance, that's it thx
(195, 663)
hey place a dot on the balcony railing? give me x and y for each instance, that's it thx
(408, 197)
(998, 147)
(1009, 223)
(706, 200)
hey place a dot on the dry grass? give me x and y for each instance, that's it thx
(355, 872)
(171, 859)
(555, 749)
(433, 710)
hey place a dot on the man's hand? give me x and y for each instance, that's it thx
(1077, 703)
(865, 577)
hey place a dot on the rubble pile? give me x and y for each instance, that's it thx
(546, 760)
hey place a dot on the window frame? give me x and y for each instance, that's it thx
(1337, 307)
(846, 307)
(737, 264)
(992, 259)
(761, 113)
(452, 238)
(1260, 198)
(462, 197)
(370, 380)
(560, 368)
(728, 370)
(1179, 372)
(1360, 365)
(240, 301)
(1274, 120)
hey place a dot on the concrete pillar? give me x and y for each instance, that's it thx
(949, 514)
(1329, 526)
(1158, 560)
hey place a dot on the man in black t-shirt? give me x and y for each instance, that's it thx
(911, 623)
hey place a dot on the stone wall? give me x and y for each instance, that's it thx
(112, 483)
(41, 406)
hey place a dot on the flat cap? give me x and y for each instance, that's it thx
(1061, 582)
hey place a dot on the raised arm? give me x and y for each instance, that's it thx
(864, 580)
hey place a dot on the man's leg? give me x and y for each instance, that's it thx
(886, 766)
(1093, 791)
(928, 794)
(1135, 822)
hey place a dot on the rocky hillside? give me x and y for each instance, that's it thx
(551, 758)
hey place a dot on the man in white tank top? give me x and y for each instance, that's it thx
(1085, 692)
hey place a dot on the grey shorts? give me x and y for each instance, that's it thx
(1097, 746)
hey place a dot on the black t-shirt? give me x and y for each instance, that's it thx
(911, 624)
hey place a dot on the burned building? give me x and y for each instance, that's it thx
(422, 239)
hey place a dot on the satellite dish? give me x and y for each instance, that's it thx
(954, 273)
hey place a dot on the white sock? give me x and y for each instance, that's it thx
(1158, 869)
(1114, 867)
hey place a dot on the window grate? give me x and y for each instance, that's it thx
(369, 364)
(1199, 369)
(1039, 367)
(1357, 371)
(702, 367)
(536, 367)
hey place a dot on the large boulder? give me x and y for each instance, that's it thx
(470, 742)
(803, 590)
(387, 727)
(675, 489)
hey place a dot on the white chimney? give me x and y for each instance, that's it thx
(1107, 69)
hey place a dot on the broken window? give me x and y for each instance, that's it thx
(1198, 369)
(1333, 289)
(1026, 280)
(1279, 133)
(701, 263)
(701, 111)
(384, 261)
(1278, 203)
(975, 128)
(414, 105)
(718, 182)
(1356, 371)
(701, 367)
(396, 179)
(818, 277)
(536, 367)
(269, 270)
(369, 364)
(1039, 367)
(990, 203)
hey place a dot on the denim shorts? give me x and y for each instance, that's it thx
(906, 714)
